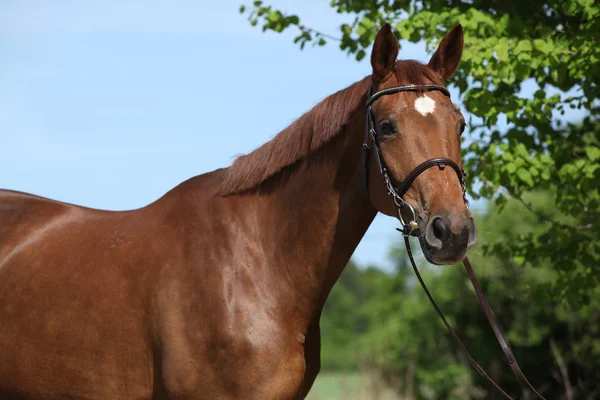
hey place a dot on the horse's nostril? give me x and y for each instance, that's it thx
(438, 228)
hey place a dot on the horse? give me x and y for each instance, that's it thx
(215, 290)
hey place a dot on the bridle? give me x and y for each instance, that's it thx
(410, 227)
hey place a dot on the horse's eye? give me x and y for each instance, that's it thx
(463, 125)
(386, 128)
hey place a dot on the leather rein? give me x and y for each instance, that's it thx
(410, 227)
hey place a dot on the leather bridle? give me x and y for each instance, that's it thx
(410, 227)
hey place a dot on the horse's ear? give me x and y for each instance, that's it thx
(446, 58)
(384, 54)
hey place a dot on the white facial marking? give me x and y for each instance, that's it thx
(425, 105)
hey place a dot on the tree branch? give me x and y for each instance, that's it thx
(319, 33)
(563, 370)
(550, 219)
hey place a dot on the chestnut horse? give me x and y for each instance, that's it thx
(215, 290)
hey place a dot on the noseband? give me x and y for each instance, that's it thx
(409, 228)
(397, 192)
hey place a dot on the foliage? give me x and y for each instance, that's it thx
(401, 336)
(350, 386)
(517, 142)
(343, 323)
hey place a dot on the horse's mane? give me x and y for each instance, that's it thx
(311, 131)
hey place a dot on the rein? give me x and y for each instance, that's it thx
(409, 227)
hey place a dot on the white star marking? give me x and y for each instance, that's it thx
(425, 105)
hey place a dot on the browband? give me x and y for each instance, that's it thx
(406, 88)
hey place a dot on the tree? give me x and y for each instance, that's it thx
(557, 348)
(526, 64)
(341, 323)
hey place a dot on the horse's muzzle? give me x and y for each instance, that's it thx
(447, 238)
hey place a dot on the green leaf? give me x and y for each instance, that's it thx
(519, 260)
(545, 174)
(502, 49)
(525, 176)
(523, 46)
(592, 152)
(543, 45)
(274, 16)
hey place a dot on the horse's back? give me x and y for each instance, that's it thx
(22, 212)
(48, 232)
(69, 310)
(139, 303)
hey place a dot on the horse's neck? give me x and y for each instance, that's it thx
(319, 216)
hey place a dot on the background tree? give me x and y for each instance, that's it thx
(343, 323)
(526, 65)
(389, 326)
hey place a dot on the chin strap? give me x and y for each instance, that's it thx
(491, 319)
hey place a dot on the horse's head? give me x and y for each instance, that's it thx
(414, 125)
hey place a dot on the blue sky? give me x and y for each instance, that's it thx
(109, 104)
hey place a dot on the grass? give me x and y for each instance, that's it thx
(349, 386)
